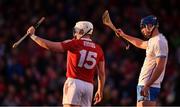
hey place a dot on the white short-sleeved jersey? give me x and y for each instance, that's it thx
(157, 47)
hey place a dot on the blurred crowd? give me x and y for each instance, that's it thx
(30, 75)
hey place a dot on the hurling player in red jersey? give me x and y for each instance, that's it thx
(84, 57)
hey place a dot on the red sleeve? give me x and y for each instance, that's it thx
(68, 45)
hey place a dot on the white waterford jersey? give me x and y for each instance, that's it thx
(157, 47)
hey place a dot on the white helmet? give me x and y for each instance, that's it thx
(85, 26)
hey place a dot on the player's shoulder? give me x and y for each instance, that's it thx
(161, 39)
(158, 39)
(98, 46)
(70, 41)
(67, 41)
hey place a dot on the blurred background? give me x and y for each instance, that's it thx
(30, 75)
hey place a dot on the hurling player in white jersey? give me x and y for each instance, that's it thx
(153, 69)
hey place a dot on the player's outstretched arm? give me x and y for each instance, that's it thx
(101, 81)
(49, 45)
(135, 41)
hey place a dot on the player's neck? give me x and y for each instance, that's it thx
(155, 32)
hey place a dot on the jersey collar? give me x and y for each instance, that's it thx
(87, 39)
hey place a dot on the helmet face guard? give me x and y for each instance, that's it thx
(149, 23)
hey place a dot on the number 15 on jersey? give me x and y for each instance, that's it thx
(87, 56)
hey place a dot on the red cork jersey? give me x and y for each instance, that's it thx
(82, 57)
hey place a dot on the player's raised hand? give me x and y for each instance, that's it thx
(119, 32)
(31, 30)
(98, 97)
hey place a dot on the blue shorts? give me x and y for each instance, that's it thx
(152, 94)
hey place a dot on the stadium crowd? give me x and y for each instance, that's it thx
(30, 75)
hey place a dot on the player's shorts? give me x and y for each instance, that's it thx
(77, 92)
(152, 94)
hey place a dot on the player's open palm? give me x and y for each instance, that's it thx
(98, 97)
